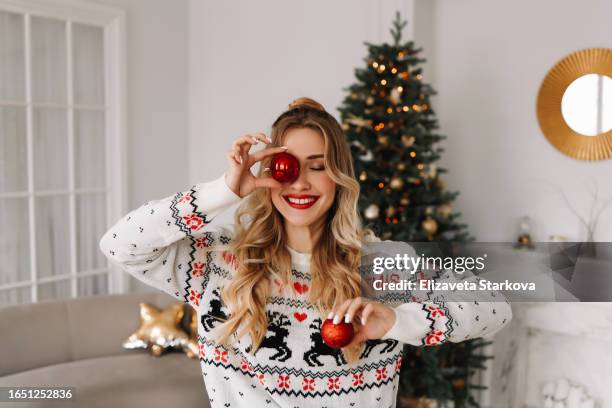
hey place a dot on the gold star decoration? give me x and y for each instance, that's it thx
(160, 331)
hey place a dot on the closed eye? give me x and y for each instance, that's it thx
(318, 168)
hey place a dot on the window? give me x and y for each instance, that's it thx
(61, 126)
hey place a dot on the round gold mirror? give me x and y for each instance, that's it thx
(575, 104)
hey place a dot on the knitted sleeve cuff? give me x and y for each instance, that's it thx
(158, 243)
(218, 195)
(411, 324)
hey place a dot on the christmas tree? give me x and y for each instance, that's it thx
(390, 125)
(388, 120)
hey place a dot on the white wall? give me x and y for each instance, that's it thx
(157, 78)
(485, 58)
(201, 73)
(487, 62)
(249, 60)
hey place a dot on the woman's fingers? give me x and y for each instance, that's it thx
(367, 311)
(245, 147)
(242, 145)
(351, 308)
(231, 156)
(342, 310)
(262, 154)
(354, 309)
(244, 140)
(262, 137)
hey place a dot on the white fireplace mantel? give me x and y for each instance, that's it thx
(551, 354)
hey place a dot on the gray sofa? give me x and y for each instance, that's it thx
(77, 343)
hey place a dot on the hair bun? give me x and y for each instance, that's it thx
(306, 102)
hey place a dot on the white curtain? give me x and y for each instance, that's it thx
(51, 156)
(14, 233)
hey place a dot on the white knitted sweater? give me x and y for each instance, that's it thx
(160, 244)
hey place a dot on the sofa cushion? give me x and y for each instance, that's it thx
(136, 380)
(53, 332)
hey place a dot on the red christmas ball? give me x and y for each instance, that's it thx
(284, 167)
(337, 335)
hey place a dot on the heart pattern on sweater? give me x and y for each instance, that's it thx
(300, 346)
(300, 288)
(300, 316)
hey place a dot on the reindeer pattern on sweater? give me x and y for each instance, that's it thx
(161, 243)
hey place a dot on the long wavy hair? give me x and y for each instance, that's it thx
(259, 250)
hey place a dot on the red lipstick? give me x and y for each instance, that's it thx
(301, 201)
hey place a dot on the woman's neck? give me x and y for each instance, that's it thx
(302, 238)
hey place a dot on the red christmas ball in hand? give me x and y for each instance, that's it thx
(337, 335)
(284, 167)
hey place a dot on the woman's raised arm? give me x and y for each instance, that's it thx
(157, 243)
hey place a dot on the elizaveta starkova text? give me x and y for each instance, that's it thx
(458, 265)
(432, 285)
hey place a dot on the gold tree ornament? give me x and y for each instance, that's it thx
(441, 184)
(430, 226)
(407, 140)
(370, 101)
(405, 200)
(160, 331)
(383, 140)
(445, 210)
(372, 212)
(396, 95)
(401, 166)
(396, 183)
(432, 170)
(358, 121)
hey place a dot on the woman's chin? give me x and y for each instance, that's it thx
(299, 221)
(302, 220)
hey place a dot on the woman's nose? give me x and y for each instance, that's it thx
(301, 183)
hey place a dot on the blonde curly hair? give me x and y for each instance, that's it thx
(259, 241)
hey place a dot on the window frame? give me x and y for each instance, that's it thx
(113, 22)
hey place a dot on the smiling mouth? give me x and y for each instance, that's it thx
(301, 201)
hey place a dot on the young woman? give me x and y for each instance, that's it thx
(263, 286)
